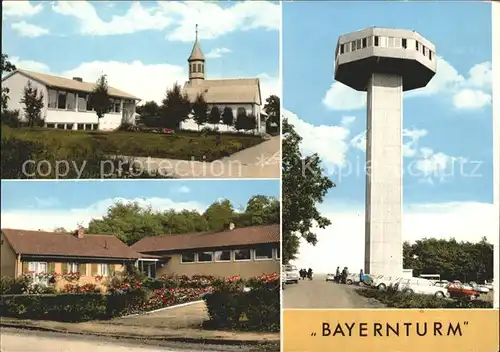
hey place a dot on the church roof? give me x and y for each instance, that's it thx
(229, 91)
(196, 53)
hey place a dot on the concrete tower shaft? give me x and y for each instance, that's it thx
(384, 62)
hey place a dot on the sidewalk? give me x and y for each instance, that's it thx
(181, 324)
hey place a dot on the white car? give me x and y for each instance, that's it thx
(330, 277)
(489, 285)
(292, 274)
(442, 283)
(479, 288)
(382, 282)
(421, 286)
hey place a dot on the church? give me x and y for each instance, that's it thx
(236, 93)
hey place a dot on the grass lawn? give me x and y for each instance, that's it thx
(182, 145)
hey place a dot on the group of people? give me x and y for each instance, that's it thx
(306, 273)
(341, 276)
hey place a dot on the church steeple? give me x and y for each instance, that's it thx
(196, 62)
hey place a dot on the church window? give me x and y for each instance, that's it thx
(202, 68)
(199, 68)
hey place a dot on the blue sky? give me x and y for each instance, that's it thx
(143, 46)
(447, 124)
(46, 204)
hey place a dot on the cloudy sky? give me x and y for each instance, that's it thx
(45, 205)
(447, 125)
(143, 46)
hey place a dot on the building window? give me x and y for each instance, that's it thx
(397, 42)
(95, 127)
(61, 126)
(353, 46)
(430, 55)
(416, 46)
(264, 253)
(102, 270)
(37, 267)
(242, 254)
(202, 68)
(341, 48)
(72, 268)
(424, 50)
(390, 42)
(61, 100)
(222, 256)
(70, 101)
(82, 102)
(187, 258)
(52, 98)
(88, 126)
(51, 125)
(204, 257)
(80, 127)
(69, 126)
(376, 40)
(278, 253)
(358, 44)
(364, 43)
(369, 41)
(199, 68)
(117, 105)
(403, 43)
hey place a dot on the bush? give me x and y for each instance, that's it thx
(11, 118)
(86, 288)
(60, 307)
(231, 306)
(396, 299)
(14, 286)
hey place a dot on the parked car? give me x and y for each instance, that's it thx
(479, 288)
(421, 286)
(382, 282)
(442, 283)
(292, 274)
(330, 277)
(283, 278)
(458, 290)
(489, 285)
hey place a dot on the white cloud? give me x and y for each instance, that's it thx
(48, 219)
(342, 243)
(213, 19)
(216, 53)
(447, 81)
(347, 120)
(25, 29)
(471, 99)
(137, 18)
(19, 9)
(184, 189)
(330, 142)
(29, 65)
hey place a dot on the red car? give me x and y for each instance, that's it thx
(457, 290)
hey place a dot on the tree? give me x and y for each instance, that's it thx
(214, 117)
(241, 120)
(272, 109)
(219, 214)
(33, 105)
(228, 117)
(303, 186)
(60, 230)
(250, 122)
(99, 98)
(453, 260)
(5, 66)
(175, 107)
(200, 110)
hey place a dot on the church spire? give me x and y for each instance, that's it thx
(196, 62)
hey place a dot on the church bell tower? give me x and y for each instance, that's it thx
(196, 63)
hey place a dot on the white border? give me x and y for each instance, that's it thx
(495, 53)
(280, 78)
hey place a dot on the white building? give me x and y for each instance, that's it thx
(237, 93)
(66, 101)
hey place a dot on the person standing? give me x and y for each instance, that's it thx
(361, 276)
(337, 275)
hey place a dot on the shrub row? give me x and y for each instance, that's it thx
(396, 299)
(245, 304)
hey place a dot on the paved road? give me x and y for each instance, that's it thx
(16, 340)
(319, 294)
(260, 161)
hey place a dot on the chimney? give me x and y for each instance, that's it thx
(231, 226)
(79, 232)
(79, 79)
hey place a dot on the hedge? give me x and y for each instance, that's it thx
(59, 307)
(230, 306)
(396, 299)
